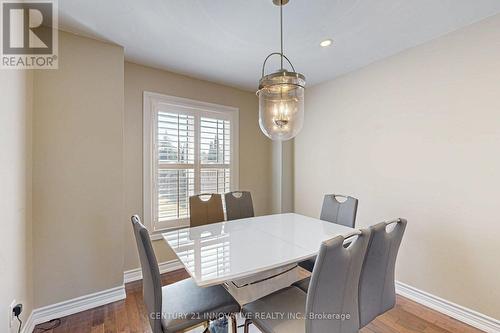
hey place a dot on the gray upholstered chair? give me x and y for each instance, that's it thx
(333, 290)
(340, 212)
(377, 292)
(238, 205)
(208, 211)
(166, 305)
(335, 211)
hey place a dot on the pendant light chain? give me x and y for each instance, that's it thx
(281, 29)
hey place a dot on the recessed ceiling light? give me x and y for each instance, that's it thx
(325, 43)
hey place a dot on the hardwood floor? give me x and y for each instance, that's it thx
(130, 316)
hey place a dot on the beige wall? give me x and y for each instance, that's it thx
(254, 147)
(418, 135)
(77, 171)
(16, 87)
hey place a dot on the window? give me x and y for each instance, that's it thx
(190, 147)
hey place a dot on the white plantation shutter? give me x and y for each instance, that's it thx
(215, 148)
(189, 148)
(175, 156)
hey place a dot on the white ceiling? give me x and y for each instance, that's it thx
(226, 41)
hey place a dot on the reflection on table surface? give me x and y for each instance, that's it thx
(224, 251)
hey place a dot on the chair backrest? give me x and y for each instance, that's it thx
(238, 205)
(151, 280)
(333, 289)
(208, 211)
(343, 213)
(377, 292)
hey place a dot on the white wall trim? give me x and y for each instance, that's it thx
(75, 305)
(28, 325)
(461, 313)
(165, 267)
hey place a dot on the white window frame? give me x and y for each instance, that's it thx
(152, 102)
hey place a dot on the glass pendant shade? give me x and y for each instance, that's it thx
(281, 96)
(281, 104)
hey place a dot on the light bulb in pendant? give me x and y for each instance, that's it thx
(281, 119)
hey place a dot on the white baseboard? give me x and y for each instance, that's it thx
(165, 267)
(28, 325)
(75, 305)
(460, 313)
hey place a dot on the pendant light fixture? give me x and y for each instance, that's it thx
(281, 96)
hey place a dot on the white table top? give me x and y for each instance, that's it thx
(220, 252)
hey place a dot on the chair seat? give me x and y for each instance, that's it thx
(191, 305)
(281, 304)
(303, 284)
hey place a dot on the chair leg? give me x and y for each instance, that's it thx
(234, 323)
(247, 325)
(207, 326)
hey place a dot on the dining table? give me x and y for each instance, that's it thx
(252, 257)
